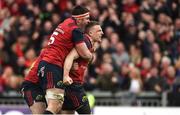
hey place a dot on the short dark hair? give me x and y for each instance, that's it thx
(90, 25)
(79, 10)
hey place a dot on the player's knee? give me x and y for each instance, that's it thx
(54, 106)
(55, 96)
(55, 101)
(38, 108)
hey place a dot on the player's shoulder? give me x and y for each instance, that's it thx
(69, 22)
(77, 30)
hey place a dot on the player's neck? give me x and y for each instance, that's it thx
(80, 26)
(92, 42)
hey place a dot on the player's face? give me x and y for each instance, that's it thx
(84, 21)
(96, 33)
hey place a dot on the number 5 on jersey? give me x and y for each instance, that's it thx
(52, 38)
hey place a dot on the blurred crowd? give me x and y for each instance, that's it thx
(140, 49)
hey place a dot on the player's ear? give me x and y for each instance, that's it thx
(90, 33)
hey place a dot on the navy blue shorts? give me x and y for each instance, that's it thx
(32, 92)
(50, 75)
(75, 97)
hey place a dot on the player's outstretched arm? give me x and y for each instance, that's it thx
(68, 65)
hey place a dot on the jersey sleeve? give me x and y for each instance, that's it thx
(77, 36)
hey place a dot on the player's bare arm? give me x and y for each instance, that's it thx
(69, 62)
(68, 65)
(83, 51)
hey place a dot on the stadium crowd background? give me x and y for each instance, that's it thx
(140, 49)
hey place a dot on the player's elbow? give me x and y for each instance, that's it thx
(83, 51)
(86, 55)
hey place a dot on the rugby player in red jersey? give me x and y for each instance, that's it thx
(46, 75)
(75, 97)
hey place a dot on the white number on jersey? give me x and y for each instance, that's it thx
(52, 38)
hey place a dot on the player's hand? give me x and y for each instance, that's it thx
(67, 80)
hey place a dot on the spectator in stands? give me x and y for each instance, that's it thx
(9, 81)
(129, 35)
(120, 56)
(107, 80)
(155, 48)
(90, 82)
(177, 38)
(17, 54)
(135, 55)
(4, 57)
(5, 20)
(30, 56)
(130, 6)
(177, 67)
(147, 43)
(5, 77)
(165, 63)
(15, 82)
(136, 83)
(109, 30)
(114, 40)
(170, 76)
(104, 48)
(124, 79)
(145, 68)
(156, 60)
(154, 82)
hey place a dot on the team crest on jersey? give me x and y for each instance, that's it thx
(39, 97)
(41, 72)
(60, 83)
(84, 99)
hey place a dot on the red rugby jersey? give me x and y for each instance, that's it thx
(78, 75)
(61, 42)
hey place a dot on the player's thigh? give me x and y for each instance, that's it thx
(75, 98)
(50, 76)
(34, 97)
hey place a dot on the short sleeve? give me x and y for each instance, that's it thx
(77, 36)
